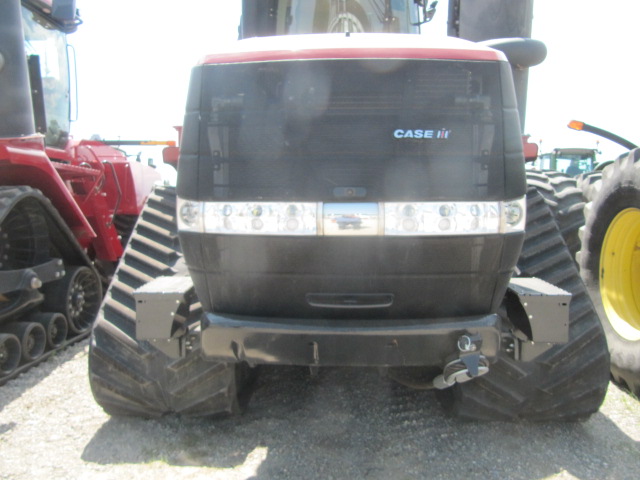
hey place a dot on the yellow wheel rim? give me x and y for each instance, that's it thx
(620, 274)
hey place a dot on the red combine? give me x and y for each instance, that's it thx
(66, 207)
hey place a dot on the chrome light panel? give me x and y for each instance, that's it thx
(352, 218)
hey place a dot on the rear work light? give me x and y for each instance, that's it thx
(248, 218)
(331, 219)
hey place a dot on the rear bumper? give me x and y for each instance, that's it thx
(346, 342)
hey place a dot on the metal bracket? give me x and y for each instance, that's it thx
(541, 312)
(162, 308)
(22, 287)
(31, 278)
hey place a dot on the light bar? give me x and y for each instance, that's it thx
(394, 218)
(248, 218)
(450, 218)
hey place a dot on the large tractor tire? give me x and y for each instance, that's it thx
(567, 382)
(132, 377)
(610, 264)
(589, 183)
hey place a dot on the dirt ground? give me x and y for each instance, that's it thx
(345, 423)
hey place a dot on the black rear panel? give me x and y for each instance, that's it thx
(330, 277)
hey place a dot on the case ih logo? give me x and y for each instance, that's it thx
(443, 133)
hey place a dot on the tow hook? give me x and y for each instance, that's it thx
(468, 366)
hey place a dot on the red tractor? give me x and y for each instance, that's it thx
(66, 206)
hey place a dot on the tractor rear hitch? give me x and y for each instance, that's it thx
(469, 365)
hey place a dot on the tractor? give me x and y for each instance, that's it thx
(66, 206)
(457, 277)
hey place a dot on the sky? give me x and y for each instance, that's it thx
(134, 59)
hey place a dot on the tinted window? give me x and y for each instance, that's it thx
(50, 47)
(393, 129)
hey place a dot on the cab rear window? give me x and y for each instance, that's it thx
(394, 129)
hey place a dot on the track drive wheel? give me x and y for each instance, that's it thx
(131, 377)
(77, 296)
(567, 382)
(610, 264)
(23, 236)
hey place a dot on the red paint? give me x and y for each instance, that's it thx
(408, 54)
(81, 185)
(357, 46)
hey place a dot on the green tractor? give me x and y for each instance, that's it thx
(610, 255)
(570, 161)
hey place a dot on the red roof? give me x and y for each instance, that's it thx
(341, 46)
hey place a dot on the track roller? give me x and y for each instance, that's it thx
(77, 296)
(55, 325)
(32, 336)
(10, 353)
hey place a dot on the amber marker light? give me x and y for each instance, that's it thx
(576, 125)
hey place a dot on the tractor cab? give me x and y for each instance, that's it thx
(48, 64)
(571, 161)
(294, 17)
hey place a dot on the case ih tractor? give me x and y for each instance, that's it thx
(457, 277)
(65, 206)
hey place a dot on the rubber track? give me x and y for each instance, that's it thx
(565, 199)
(566, 383)
(130, 377)
(74, 255)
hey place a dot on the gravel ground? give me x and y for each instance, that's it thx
(342, 424)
